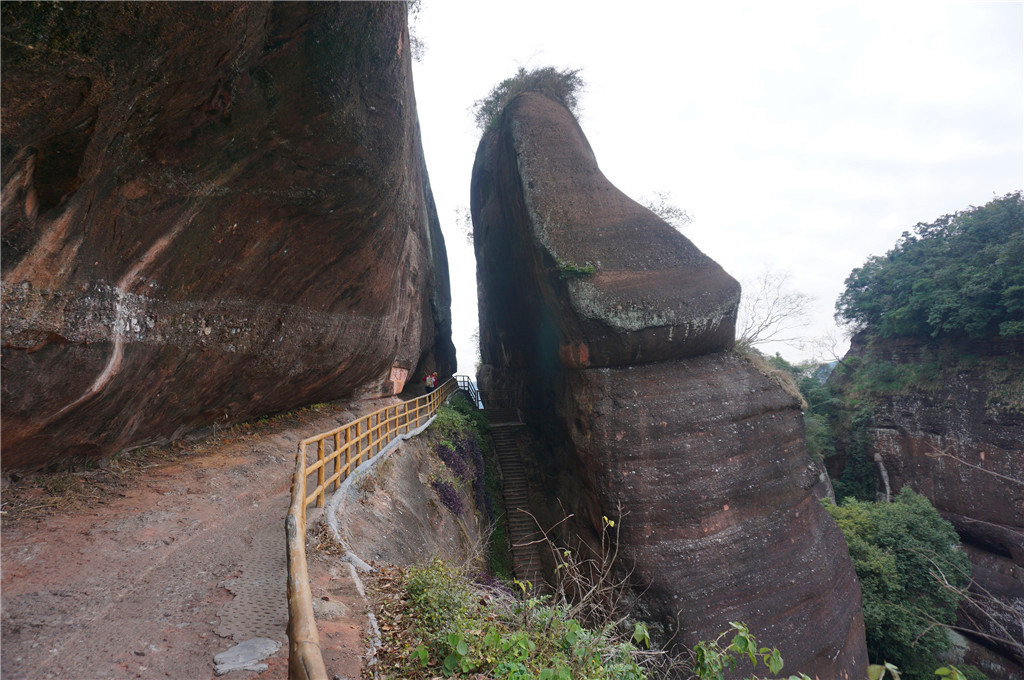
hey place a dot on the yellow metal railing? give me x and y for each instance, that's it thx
(345, 447)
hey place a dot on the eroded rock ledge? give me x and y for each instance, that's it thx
(625, 370)
(211, 211)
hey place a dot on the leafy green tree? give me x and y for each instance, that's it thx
(959, 277)
(898, 549)
(564, 85)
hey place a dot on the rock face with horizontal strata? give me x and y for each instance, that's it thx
(210, 212)
(624, 369)
(959, 440)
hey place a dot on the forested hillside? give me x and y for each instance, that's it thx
(959, 277)
(931, 397)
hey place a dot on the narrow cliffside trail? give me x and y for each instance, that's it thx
(186, 563)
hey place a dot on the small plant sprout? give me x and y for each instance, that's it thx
(878, 671)
(571, 270)
(641, 637)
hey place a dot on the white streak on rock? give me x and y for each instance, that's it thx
(120, 322)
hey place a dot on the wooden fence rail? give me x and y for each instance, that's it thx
(342, 449)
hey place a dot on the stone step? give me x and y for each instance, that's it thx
(522, 529)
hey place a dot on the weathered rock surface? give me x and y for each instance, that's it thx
(958, 438)
(543, 207)
(647, 418)
(211, 211)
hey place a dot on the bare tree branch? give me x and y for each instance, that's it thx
(825, 347)
(769, 311)
(936, 453)
(981, 602)
(661, 204)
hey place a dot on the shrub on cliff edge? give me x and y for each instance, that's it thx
(447, 624)
(563, 85)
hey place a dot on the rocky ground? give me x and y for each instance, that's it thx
(156, 563)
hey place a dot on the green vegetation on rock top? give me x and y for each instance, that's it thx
(959, 277)
(564, 85)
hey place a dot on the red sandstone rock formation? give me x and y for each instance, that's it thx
(624, 369)
(959, 440)
(211, 211)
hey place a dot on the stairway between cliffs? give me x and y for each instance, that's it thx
(522, 530)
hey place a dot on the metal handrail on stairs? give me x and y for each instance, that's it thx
(356, 442)
(469, 387)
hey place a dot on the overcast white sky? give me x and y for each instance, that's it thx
(803, 137)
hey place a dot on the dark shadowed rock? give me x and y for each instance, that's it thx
(211, 211)
(645, 417)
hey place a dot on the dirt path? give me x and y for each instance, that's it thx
(179, 568)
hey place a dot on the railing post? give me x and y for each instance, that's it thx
(302, 491)
(348, 451)
(337, 460)
(376, 434)
(364, 441)
(359, 443)
(320, 473)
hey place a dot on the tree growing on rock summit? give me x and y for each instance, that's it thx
(564, 85)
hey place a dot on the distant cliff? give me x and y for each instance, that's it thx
(932, 394)
(947, 419)
(211, 211)
(615, 330)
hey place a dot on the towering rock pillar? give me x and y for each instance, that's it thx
(615, 329)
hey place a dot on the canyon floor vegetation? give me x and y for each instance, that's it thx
(903, 551)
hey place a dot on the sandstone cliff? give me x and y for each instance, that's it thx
(211, 211)
(948, 421)
(614, 328)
